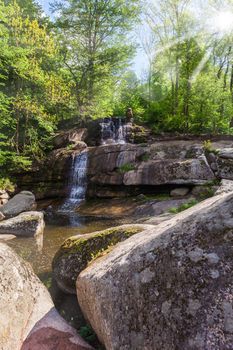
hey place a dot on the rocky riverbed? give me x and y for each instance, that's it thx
(145, 259)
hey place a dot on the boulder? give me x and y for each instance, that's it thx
(23, 299)
(169, 287)
(155, 208)
(29, 224)
(225, 153)
(23, 201)
(69, 137)
(225, 187)
(179, 192)
(105, 159)
(161, 172)
(53, 332)
(225, 168)
(77, 251)
(27, 318)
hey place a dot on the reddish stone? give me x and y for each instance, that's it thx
(53, 333)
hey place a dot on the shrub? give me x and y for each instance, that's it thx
(126, 167)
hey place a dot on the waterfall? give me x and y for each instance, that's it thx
(77, 181)
(112, 131)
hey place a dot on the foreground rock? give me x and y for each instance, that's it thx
(169, 287)
(52, 332)
(24, 201)
(29, 224)
(26, 307)
(77, 251)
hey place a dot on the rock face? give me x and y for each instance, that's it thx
(194, 171)
(169, 287)
(26, 307)
(51, 179)
(69, 137)
(125, 167)
(77, 251)
(29, 224)
(24, 201)
(119, 170)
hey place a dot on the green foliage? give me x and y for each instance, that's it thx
(207, 145)
(87, 333)
(125, 168)
(6, 184)
(95, 49)
(155, 197)
(183, 206)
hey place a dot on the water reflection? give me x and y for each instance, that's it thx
(59, 226)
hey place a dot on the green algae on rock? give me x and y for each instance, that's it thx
(78, 251)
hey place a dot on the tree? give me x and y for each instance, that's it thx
(94, 35)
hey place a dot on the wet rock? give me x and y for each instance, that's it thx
(28, 224)
(174, 283)
(179, 192)
(77, 251)
(24, 201)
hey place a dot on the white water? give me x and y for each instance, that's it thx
(112, 133)
(77, 181)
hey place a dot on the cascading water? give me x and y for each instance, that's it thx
(112, 131)
(77, 181)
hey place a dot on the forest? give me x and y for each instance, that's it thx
(77, 63)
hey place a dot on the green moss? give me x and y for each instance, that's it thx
(125, 168)
(144, 157)
(77, 252)
(157, 197)
(183, 207)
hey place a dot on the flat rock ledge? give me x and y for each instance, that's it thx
(28, 224)
(169, 287)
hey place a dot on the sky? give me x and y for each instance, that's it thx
(139, 63)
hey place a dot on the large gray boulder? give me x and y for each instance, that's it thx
(78, 251)
(29, 224)
(23, 201)
(162, 172)
(169, 287)
(28, 319)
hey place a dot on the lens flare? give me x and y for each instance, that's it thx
(223, 21)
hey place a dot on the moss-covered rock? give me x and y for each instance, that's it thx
(78, 251)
